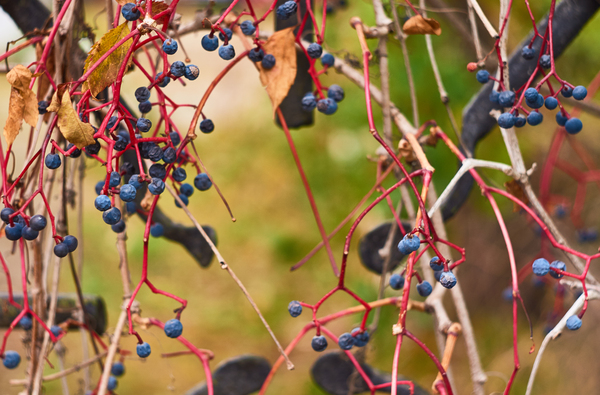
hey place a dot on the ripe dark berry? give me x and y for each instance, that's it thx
(157, 230)
(319, 343)
(56, 330)
(112, 383)
(145, 107)
(437, 274)
(126, 168)
(551, 103)
(494, 96)
(207, 126)
(6, 213)
(309, 102)
(314, 50)
(14, 232)
(228, 32)
(579, 92)
(179, 174)
(76, 152)
(506, 98)
(202, 182)
(127, 193)
(566, 91)
(111, 216)
(396, 281)
(424, 289)
(192, 72)
(538, 102)
(295, 308)
(360, 339)
(42, 106)
(506, 120)
(61, 250)
(157, 170)
(256, 55)
(114, 180)
(173, 328)
(528, 53)
(436, 264)
(535, 118)
(175, 139)
(11, 359)
(268, 61)
(531, 94)
(119, 227)
(561, 120)
(557, 265)
(135, 181)
(184, 199)
(540, 267)
(483, 76)
(178, 68)
(448, 279)
(155, 153)
(143, 350)
(25, 322)
(142, 94)
(164, 82)
(327, 106)
(409, 243)
(93, 149)
(99, 186)
(117, 369)
(573, 322)
(573, 126)
(247, 28)
(170, 46)
(227, 52)
(336, 93)
(286, 10)
(130, 207)
(346, 341)
(545, 61)
(186, 189)
(143, 125)
(29, 234)
(112, 121)
(52, 161)
(130, 12)
(157, 186)
(520, 121)
(327, 60)
(210, 43)
(169, 156)
(71, 242)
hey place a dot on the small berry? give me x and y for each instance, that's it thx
(130, 12)
(93, 149)
(545, 61)
(247, 28)
(143, 125)
(157, 186)
(319, 343)
(76, 152)
(210, 43)
(448, 280)
(157, 230)
(551, 103)
(573, 126)
(184, 199)
(436, 264)
(26, 322)
(409, 243)
(102, 203)
(61, 250)
(170, 46)
(117, 369)
(29, 234)
(145, 107)
(114, 180)
(360, 339)
(327, 60)
(178, 68)
(494, 96)
(336, 93)
(112, 383)
(173, 328)
(42, 106)
(175, 138)
(566, 91)
(327, 106)
(557, 265)
(130, 207)
(192, 72)
(535, 118)
(155, 153)
(531, 94)
(143, 350)
(141, 94)
(268, 61)
(119, 227)
(506, 120)
(111, 216)
(346, 341)
(135, 181)
(437, 274)
(528, 53)
(538, 102)
(186, 189)
(573, 322)
(207, 126)
(424, 289)
(127, 193)
(227, 52)
(52, 161)
(295, 308)
(179, 174)
(309, 102)
(540, 267)
(11, 359)
(6, 213)
(169, 156)
(228, 32)
(561, 120)
(256, 55)
(520, 121)
(314, 50)
(14, 232)
(71, 242)
(157, 170)
(483, 76)
(579, 92)
(286, 10)
(56, 330)
(506, 98)
(165, 80)
(396, 281)
(99, 186)
(202, 182)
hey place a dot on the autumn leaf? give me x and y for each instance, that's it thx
(419, 25)
(106, 72)
(76, 132)
(22, 104)
(123, 2)
(280, 78)
(514, 188)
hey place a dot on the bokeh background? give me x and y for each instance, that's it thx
(248, 156)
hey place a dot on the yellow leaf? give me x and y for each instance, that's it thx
(22, 104)
(106, 72)
(419, 25)
(76, 132)
(280, 78)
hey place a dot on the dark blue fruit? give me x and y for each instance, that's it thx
(336, 93)
(247, 28)
(436, 264)
(61, 250)
(170, 46)
(540, 267)
(143, 350)
(319, 343)
(179, 174)
(114, 180)
(268, 61)
(11, 359)
(566, 91)
(130, 12)
(157, 230)
(256, 55)
(14, 232)
(111, 216)
(295, 308)
(309, 102)
(227, 52)
(142, 94)
(186, 189)
(117, 369)
(119, 227)
(346, 341)
(557, 265)
(528, 53)
(545, 61)
(173, 328)
(448, 280)
(143, 125)
(202, 182)
(145, 107)
(551, 103)
(396, 281)
(184, 199)
(127, 193)
(573, 322)
(178, 68)
(169, 156)
(360, 339)
(29, 234)
(506, 120)
(157, 170)
(314, 50)
(535, 118)
(482, 76)
(25, 322)
(157, 186)
(573, 126)
(228, 32)
(327, 106)
(192, 72)
(52, 161)
(424, 289)
(286, 10)
(579, 92)
(207, 126)
(164, 82)
(506, 98)
(327, 60)
(210, 43)
(6, 213)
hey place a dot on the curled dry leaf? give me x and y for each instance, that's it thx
(22, 104)
(514, 188)
(69, 124)
(106, 72)
(280, 78)
(419, 25)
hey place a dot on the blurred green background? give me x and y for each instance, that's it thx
(249, 159)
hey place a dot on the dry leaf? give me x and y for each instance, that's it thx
(280, 78)
(22, 104)
(106, 72)
(514, 188)
(158, 7)
(419, 25)
(76, 132)
(123, 2)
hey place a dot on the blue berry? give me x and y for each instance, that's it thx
(76, 152)
(52, 161)
(535, 118)
(436, 264)
(120, 144)
(286, 10)
(61, 250)
(268, 61)
(141, 94)
(175, 138)
(573, 126)
(202, 182)
(130, 12)
(56, 330)
(135, 181)
(327, 60)
(360, 339)
(408, 244)
(566, 91)
(93, 149)
(228, 32)
(111, 216)
(314, 50)
(437, 274)
(178, 68)
(192, 72)
(145, 107)
(309, 102)
(531, 94)
(336, 93)
(396, 281)
(143, 350)
(29, 234)
(227, 52)
(117, 369)
(157, 229)
(114, 180)
(506, 120)
(506, 98)
(424, 289)
(26, 322)
(494, 96)
(557, 265)
(155, 153)
(448, 280)
(346, 341)
(127, 193)
(165, 80)
(561, 120)
(184, 199)
(157, 170)
(540, 267)
(318, 343)
(483, 76)
(173, 328)
(112, 121)
(186, 189)
(71, 242)
(327, 106)
(169, 156)
(130, 207)
(143, 125)
(179, 174)
(102, 203)
(42, 106)
(157, 186)
(295, 308)
(11, 359)
(573, 322)
(112, 383)
(14, 232)
(256, 55)
(579, 92)
(528, 53)
(247, 28)
(119, 227)
(170, 46)
(207, 126)
(551, 103)
(538, 102)
(98, 187)
(210, 43)
(6, 213)
(545, 61)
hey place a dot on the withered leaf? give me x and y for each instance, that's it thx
(158, 7)
(22, 104)
(280, 78)
(106, 72)
(69, 124)
(419, 25)
(514, 188)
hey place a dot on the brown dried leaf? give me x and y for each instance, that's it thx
(514, 188)
(76, 132)
(280, 78)
(419, 25)
(106, 72)
(22, 104)
(123, 2)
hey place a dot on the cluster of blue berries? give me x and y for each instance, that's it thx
(210, 42)
(541, 267)
(18, 227)
(173, 329)
(446, 278)
(346, 341)
(328, 105)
